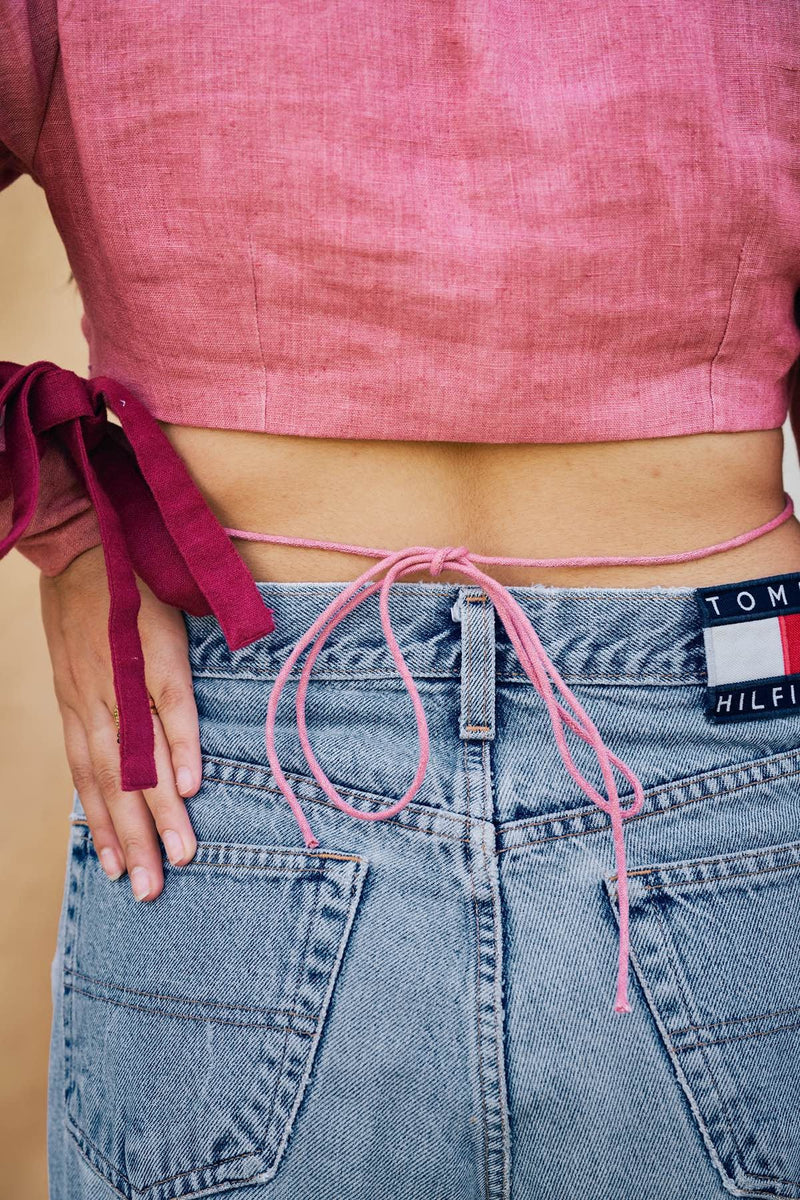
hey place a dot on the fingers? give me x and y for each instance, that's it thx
(125, 826)
(128, 811)
(167, 807)
(174, 696)
(104, 836)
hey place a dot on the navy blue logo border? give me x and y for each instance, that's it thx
(749, 599)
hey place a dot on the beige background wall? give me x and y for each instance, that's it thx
(39, 318)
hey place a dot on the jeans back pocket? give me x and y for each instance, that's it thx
(191, 1021)
(716, 945)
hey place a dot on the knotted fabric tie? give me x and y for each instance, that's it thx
(153, 522)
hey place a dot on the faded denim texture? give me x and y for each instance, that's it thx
(422, 1008)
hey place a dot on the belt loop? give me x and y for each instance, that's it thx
(476, 612)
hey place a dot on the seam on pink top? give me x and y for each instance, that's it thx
(563, 708)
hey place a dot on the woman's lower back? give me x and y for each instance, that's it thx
(524, 500)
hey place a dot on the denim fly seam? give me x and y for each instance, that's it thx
(473, 610)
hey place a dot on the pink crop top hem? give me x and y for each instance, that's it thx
(495, 222)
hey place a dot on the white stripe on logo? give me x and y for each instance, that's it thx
(744, 650)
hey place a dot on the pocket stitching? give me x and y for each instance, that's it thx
(654, 887)
(316, 794)
(184, 999)
(675, 1051)
(350, 901)
(778, 1012)
(163, 1012)
(670, 950)
(742, 1037)
(278, 1114)
(678, 785)
(710, 861)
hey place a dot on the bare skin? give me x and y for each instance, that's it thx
(627, 498)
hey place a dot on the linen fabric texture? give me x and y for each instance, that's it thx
(493, 222)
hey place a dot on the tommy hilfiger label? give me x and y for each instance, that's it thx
(751, 631)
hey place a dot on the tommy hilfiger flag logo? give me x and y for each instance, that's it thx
(752, 643)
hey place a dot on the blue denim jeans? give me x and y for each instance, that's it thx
(422, 1008)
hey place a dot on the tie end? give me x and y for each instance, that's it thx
(621, 1004)
(138, 778)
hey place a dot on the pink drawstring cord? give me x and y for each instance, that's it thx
(534, 659)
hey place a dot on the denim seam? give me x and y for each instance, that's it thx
(355, 793)
(412, 828)
(272, 851)
(653, 887)
(332, 672)
(743, 1037)
(329, 674)
(273, 1108)
(641, 816)
(251, 1008)
(81, 1141)
(373, 797)
(478, 1037)
(682, 680)
(159, 1182)
(722, 858)
(76, 819)
(264, 868)
(670, 952)
(502, 1099)
(163, 1012)
(778, 1012)
(732, 772)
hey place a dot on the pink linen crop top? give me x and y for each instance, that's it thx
(491, 222)
(495, 221)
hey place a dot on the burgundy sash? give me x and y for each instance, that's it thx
(153, 523)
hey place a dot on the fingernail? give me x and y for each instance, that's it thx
(173, 844)
(140, 882)
(184, 780)
(111, 864)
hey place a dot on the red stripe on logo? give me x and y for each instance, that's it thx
(790, 640)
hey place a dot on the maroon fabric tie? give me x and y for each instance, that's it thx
(153, 522)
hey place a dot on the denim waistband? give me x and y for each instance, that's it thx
(605, 635)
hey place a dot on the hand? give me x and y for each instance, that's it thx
(125, 825)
